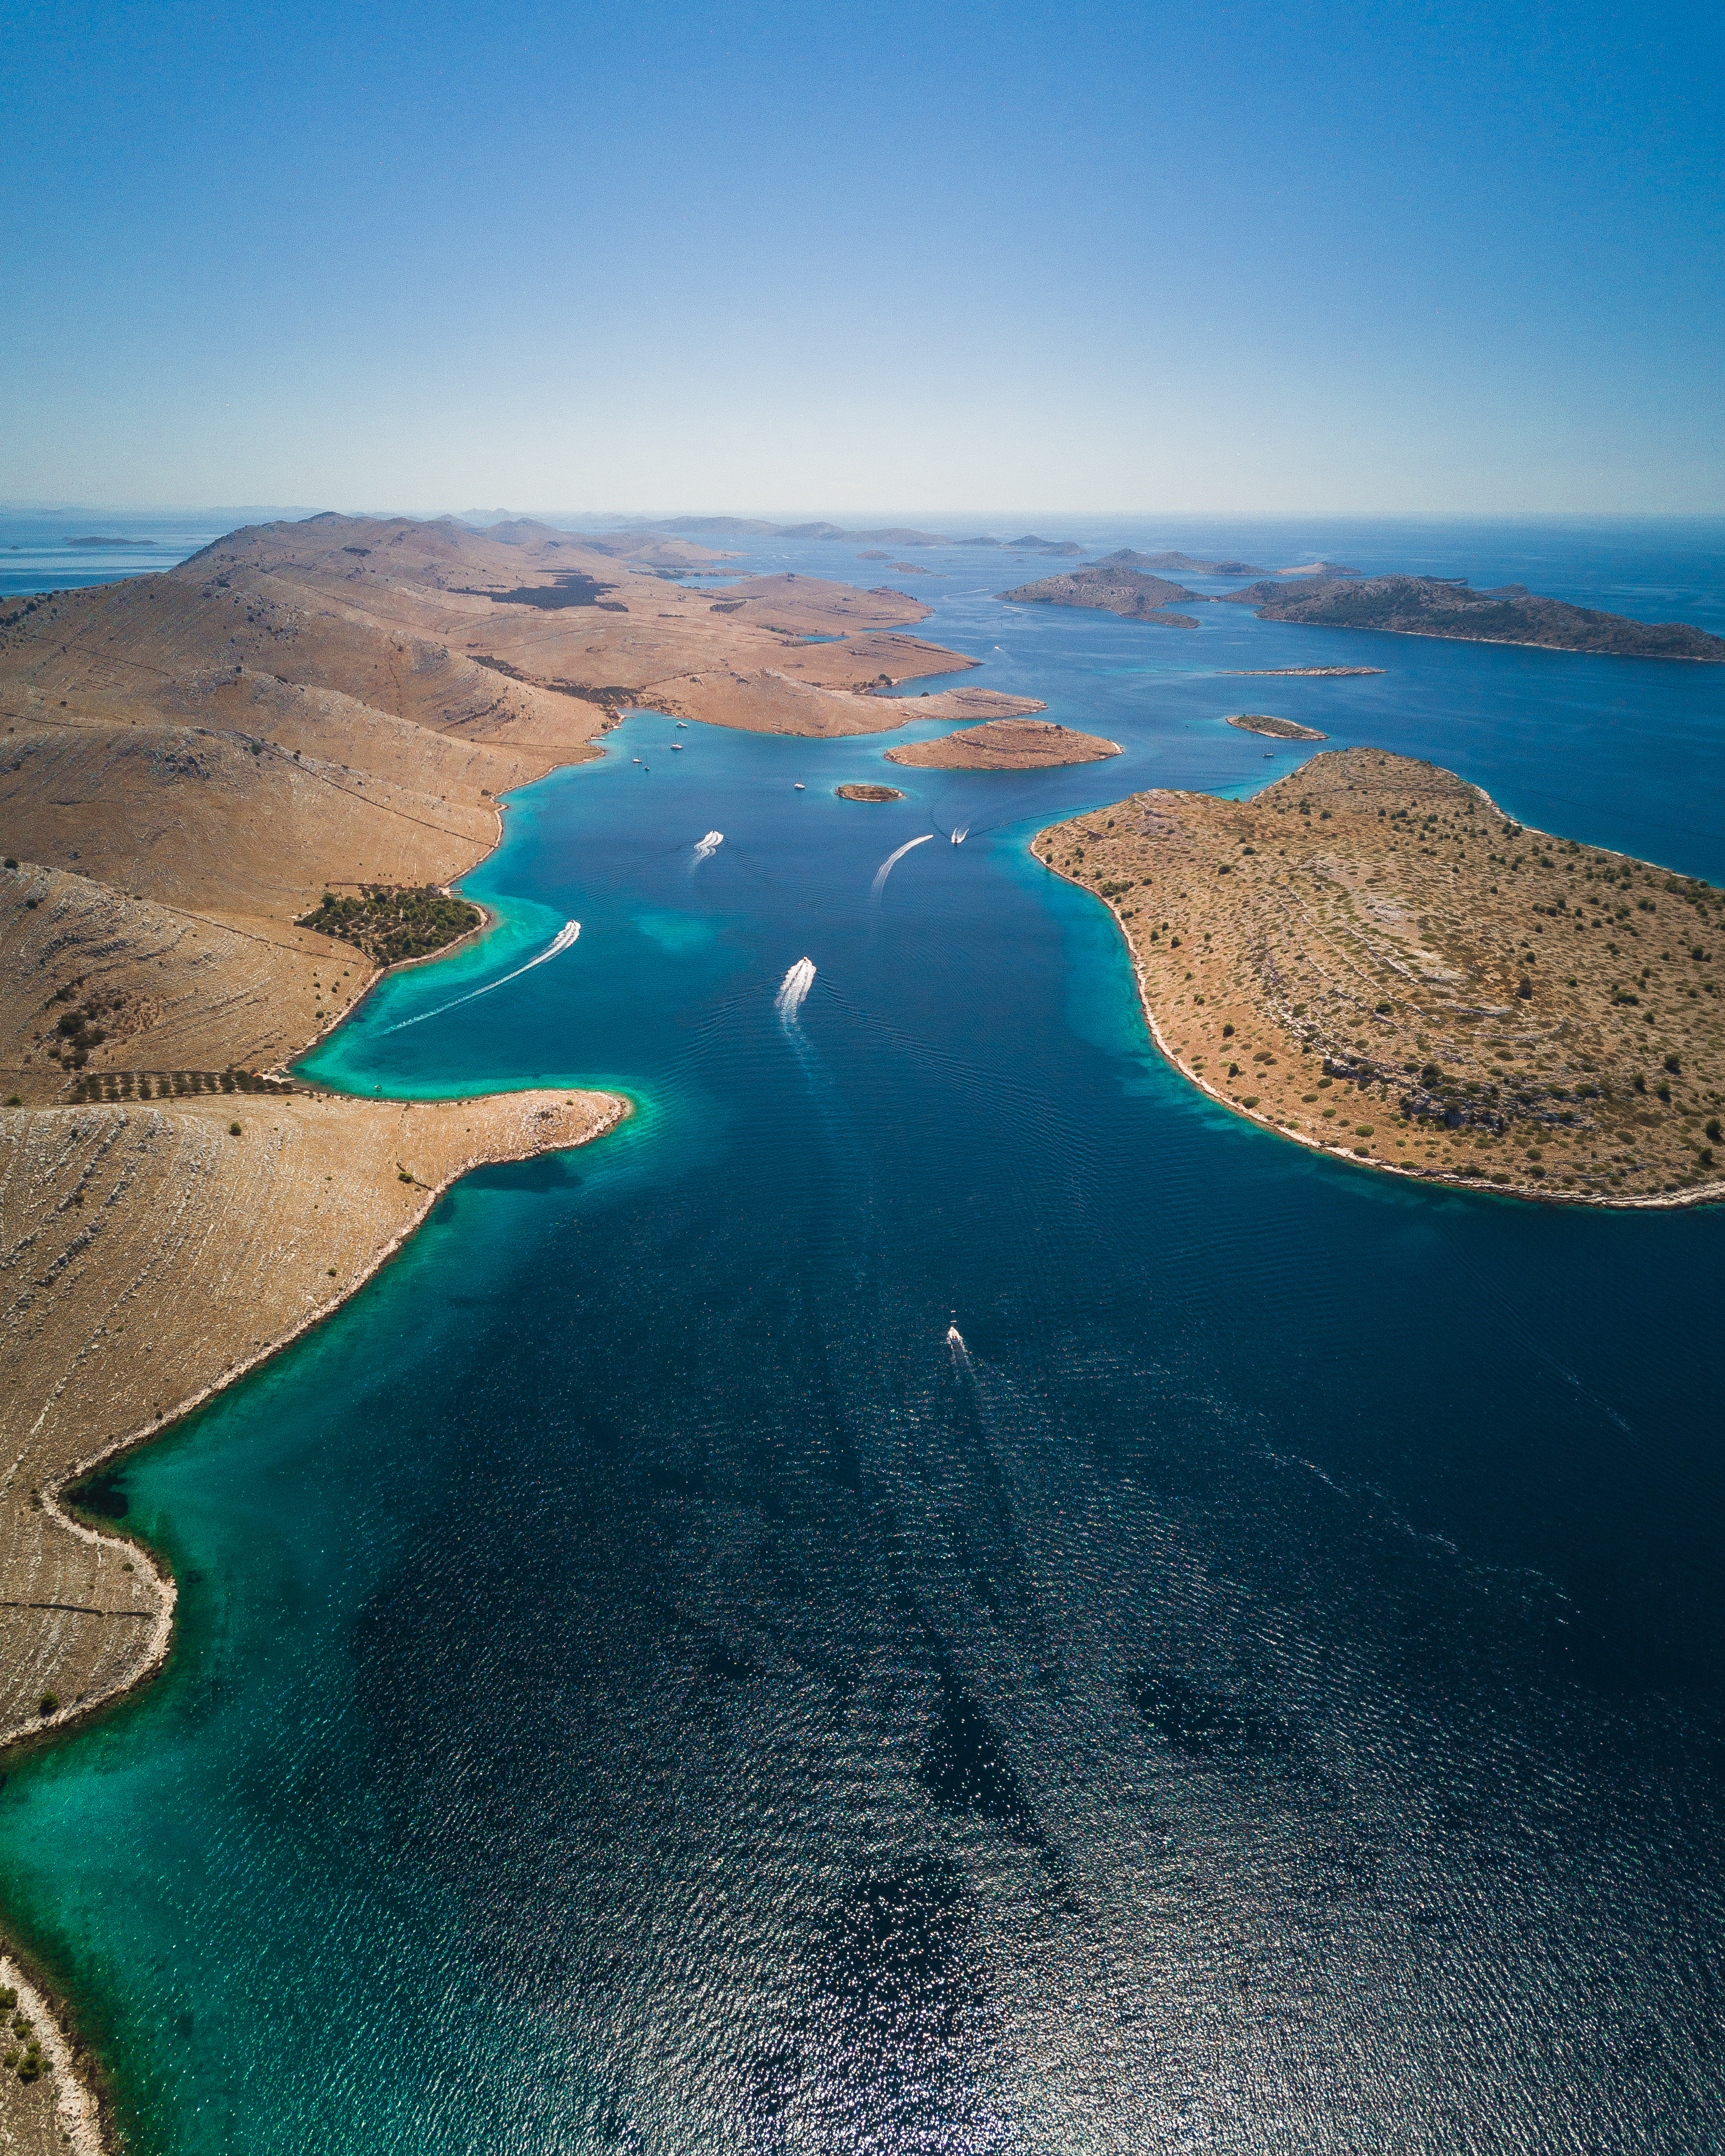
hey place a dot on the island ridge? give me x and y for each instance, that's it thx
(1369, 956)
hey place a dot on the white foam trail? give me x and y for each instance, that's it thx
(793, 988)
(886, 866)
(561, 941)
(706, 847)
(960, 836)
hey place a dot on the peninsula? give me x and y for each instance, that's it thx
(1370, 957)
(229, 794)
(1006, 745)
(1436, 606)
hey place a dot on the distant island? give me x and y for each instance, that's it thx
(855, 792)
(1126, 557)
(1006, 745)
(744, 527)
(1437, 606)
(111, 542)
(1260, 722)
(1114, 589)
(1370, 957)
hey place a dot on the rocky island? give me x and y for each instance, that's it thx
(1260, 722)
(1126, 558)
(1006, 745)
(1436, 606)
(1114, 589)
(1370, 957)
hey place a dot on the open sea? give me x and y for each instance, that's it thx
(645, 1683)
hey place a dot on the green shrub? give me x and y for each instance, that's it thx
(49, 1703)
(234, 1130)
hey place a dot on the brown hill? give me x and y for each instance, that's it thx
(1432, 606)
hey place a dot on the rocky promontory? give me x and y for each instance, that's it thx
(1440, 606)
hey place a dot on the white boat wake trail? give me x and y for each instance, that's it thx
(706, 847)
(886, 866)
(793, 988)
(561, 941)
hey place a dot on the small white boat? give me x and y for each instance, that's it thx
(635, 759)
(676, 748)
(683, 722)
(799, 784)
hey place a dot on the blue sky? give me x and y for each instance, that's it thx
(1085, 256)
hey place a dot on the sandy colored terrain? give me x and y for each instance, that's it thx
(868, 793)
(188, 762)
(1010, 744)
(1369, 958)
(1260, 722)
(149, 1257)
(171, 989)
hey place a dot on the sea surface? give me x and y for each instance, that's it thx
(646, 1682)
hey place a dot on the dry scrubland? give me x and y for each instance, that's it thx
(188, 762)
(1006, 744)
(1369, 956)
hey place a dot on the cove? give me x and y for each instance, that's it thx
(641, 1684)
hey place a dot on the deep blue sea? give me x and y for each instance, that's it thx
(56, 549)
(643, 1686)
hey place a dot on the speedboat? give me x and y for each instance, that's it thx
(798, 783)
(676, 748)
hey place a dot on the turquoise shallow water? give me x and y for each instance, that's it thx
(640, 1687)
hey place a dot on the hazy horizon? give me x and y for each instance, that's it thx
(1344, 260)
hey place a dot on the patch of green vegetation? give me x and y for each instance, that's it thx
(391, 923)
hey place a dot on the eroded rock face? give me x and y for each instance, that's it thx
(1369, 956)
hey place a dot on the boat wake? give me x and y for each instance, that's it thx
(792, 989)
(957, 1350)
(891, 860)
(706, 847)
(561, 941)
